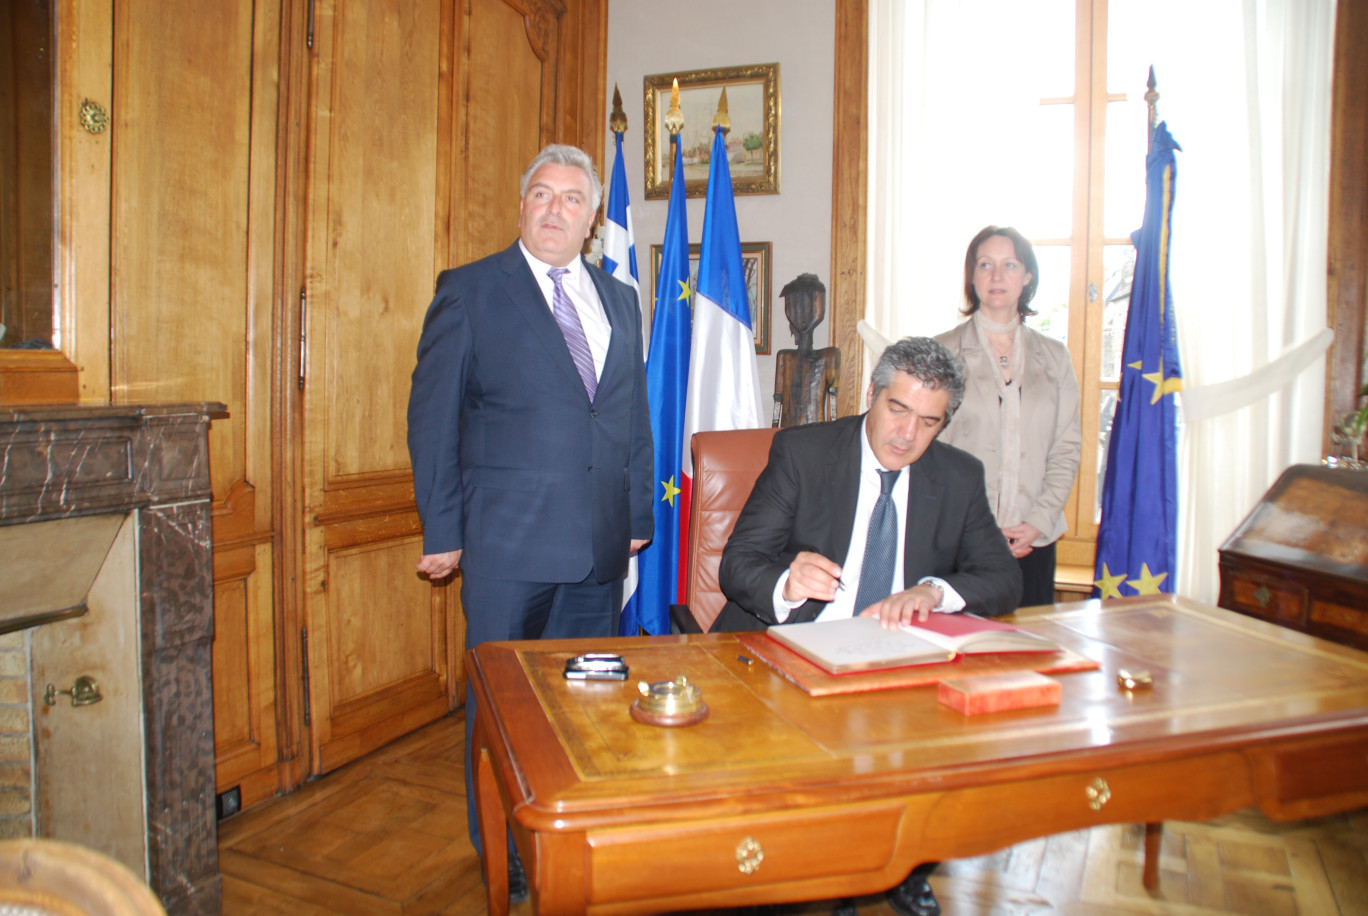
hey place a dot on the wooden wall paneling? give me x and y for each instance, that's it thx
(582, 75)
(246, 739)
(849, 186)
(293, 132)
(377, 649)
(1348, 240)
(26, 162)
(193, 259)
(85, 57)
(501, 91)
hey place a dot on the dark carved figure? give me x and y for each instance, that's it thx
(805, 379)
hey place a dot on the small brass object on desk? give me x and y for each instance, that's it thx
(1134, 680)
(674, 702)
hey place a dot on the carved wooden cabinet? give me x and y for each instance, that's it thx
(1300, 559)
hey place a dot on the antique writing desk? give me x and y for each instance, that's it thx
(781, 796)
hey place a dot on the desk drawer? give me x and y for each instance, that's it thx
(1279, 600)
(1313, 777)
(973, 821)
(669, 859)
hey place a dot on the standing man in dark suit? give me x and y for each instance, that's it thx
(871, 515)
(529, 432)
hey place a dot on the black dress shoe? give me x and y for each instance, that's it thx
(914, 897)
(517, 879)
(845, 907)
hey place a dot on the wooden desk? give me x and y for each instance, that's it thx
(842, 796)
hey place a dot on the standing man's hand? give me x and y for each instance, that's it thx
(812, 576)
(439, 565)
(637, 544)
(908, 606)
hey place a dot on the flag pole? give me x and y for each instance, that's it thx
(1151, 103)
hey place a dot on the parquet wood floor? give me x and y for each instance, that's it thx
(386, 836)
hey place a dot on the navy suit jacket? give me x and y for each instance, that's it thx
(805, 499)
(511, 462)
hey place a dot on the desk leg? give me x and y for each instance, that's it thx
(493, 827)
(1154, 837)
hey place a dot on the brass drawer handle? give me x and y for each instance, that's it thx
(1262, 595)
(749, 855)
(1099, 793)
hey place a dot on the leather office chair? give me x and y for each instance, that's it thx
(726, 463)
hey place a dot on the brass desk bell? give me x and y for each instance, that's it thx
(667, 703)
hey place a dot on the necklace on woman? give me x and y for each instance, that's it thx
(1003, 360)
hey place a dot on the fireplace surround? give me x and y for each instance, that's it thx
(146, 469)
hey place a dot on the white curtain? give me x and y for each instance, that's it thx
(955, 127)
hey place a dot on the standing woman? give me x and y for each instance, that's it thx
(1020, 410)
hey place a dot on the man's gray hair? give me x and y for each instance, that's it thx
(925, 360)
(561, 154)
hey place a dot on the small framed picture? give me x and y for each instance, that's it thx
(756, 257)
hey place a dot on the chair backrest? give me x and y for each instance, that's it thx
(726, 464)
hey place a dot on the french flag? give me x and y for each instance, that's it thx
(724, 383)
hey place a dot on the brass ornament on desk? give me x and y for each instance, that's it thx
(669, 703)
(1134, 680)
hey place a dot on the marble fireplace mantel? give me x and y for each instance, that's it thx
(149, 464)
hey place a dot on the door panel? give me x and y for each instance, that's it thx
(421, 116)
(192, 255)
(377, 647)
(502, 65)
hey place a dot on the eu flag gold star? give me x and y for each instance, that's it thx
(1162, 386)
(683, 293)
(670, 490)
(1109, 585)
(1148, 583)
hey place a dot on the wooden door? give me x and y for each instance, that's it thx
(421, 115)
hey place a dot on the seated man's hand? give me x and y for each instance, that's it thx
(810, 576)
(909, 606)
(439, 565)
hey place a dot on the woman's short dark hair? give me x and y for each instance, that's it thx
(1025, 254)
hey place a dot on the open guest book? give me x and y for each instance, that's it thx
(862, 644)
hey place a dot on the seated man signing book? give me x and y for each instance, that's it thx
(871, 515)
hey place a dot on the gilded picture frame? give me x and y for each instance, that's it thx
(756, 257)
(753, 141)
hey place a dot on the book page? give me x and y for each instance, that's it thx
(858, 644)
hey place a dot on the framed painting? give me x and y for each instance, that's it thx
(756, 258)
(752, 142)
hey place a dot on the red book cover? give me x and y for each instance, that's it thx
(999, 692)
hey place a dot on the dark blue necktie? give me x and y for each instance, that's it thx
(881, 547)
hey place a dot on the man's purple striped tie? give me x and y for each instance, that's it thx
(570, 326)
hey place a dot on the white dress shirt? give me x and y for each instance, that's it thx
(583, 296)
(843, 605)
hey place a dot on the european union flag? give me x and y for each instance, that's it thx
(667, 384)
(1137, 540)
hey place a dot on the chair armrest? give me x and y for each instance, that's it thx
(683, 619)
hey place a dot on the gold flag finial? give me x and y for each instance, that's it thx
(722, 119)
(617, 121)
(1152, 104)
(674, 118)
